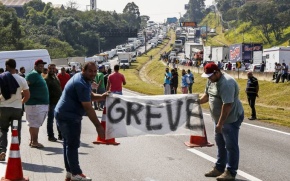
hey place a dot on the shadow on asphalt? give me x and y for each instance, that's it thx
(86, 145)
(41, 168)
(53, 150)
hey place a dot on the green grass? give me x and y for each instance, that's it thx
(272, 106)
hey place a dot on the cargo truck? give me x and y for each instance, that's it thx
(25, 58)
(125, 59)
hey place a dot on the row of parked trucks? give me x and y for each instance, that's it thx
(253, 53)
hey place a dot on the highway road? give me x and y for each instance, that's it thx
(264, 155)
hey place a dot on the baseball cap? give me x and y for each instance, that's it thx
(100, 67)
(39, 61)
(209, 69)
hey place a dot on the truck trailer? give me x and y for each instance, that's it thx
(25, 58)
(243, 52)
(276, 54)
(220, 54)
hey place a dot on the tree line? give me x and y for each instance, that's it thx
(270, 16)
(65, 32)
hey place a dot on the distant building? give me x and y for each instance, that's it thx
(171, 20)
(17, 5)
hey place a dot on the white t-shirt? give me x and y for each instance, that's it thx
(15, 100)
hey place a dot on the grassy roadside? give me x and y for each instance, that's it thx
(272, 106)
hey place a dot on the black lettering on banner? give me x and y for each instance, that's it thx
(133, 112)
(190, 114)
(150, 115)
(173, 125)
(118, 110)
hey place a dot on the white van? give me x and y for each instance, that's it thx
(25, 58)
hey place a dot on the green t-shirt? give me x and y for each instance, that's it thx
(38, 89)
(224, 91)
(100, 77)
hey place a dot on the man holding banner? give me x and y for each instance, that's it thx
(74, 103)
(222, 93)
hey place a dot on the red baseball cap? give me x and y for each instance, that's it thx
(209, 69)
(39, 61)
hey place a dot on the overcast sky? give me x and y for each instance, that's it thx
(158, 10)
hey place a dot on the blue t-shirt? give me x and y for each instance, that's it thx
(167, 77)
(190, 76)
(76, 91)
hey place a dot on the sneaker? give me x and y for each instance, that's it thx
(68, 176)
(213, 173)
(252, 118)
(226, 176)
(52, 139)
(2, 156)
(80, 177)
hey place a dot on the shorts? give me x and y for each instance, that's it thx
(35, 115)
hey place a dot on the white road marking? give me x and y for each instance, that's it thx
(209, 158)
(261, 127)
(269, 129)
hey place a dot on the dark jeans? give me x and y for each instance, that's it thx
(7, 116)
(190, 88)
(252, 100)
(227, 142)
(50, 118)
(71, 132)
(284, 77)
(101, 91)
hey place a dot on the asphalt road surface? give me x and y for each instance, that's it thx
(264, 156)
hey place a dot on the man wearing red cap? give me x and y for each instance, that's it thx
(222, 93)
(36, 107)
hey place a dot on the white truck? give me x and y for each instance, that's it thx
(220, 54)
(207, 53)
(190, 48)
(125, 59)
(25, 58)
(276, 54)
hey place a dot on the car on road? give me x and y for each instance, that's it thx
(254, 68)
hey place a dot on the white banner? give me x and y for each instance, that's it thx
(163, 114)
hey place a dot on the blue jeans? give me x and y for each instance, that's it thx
(228, 147)
(71, 132)
(50, 118)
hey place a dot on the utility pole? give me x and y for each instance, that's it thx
(145, 37)
(99, 45)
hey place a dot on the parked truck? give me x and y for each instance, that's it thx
(276, 54)
(190, 48)
(243, 52)
(25, 58)
(125, 59)
(220, 54)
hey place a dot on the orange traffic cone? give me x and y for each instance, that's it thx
(198, 141)
(14, 167)
(101, 140)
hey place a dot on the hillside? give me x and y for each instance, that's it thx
(239, 32)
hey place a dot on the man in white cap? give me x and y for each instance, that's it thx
(222, 93)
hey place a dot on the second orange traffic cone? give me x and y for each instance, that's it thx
(101, 140)
(14, 166)
(198, 141)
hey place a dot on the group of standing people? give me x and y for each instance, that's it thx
(171, 81)
(61, 96)
(281, 72)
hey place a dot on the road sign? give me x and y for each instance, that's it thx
(188, 24)
(238, 64)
